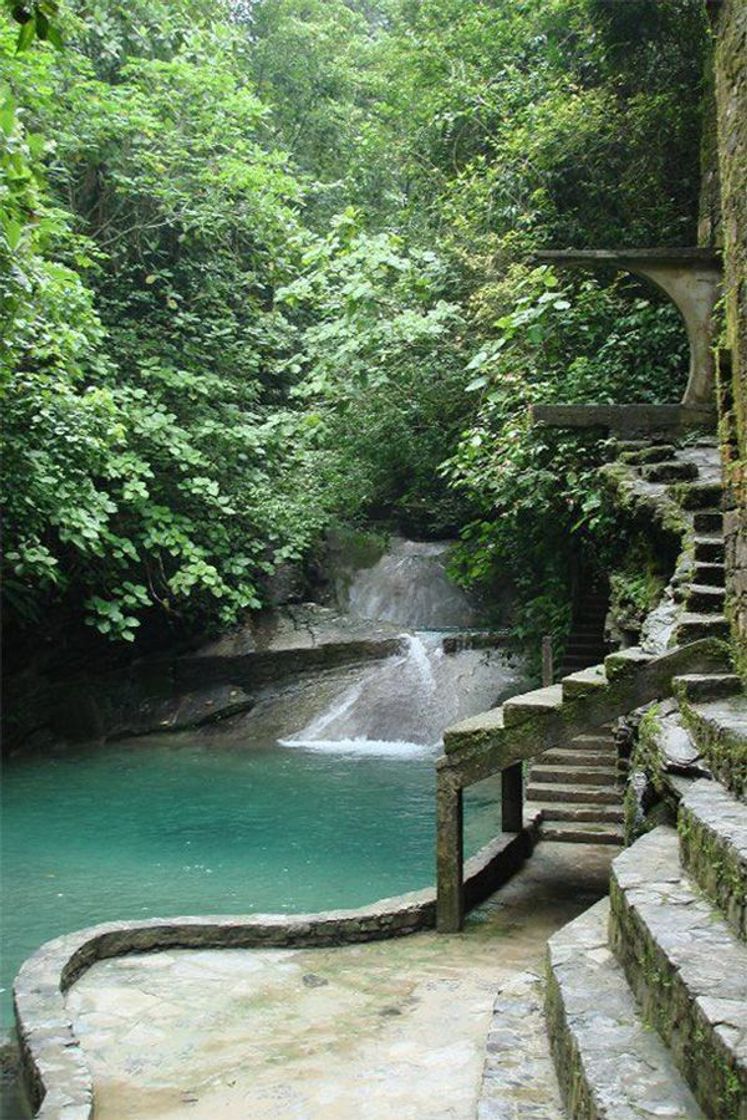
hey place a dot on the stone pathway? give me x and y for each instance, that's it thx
(390, 1028)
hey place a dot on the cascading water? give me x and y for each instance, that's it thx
(401, 706)
(409, 585)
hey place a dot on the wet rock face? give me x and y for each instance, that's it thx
(301, 627)
(409, 586)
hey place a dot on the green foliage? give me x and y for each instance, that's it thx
(264, 266)
(149, 456)
(381, 361)
(543, 504)
(37, 19)
(636, 586)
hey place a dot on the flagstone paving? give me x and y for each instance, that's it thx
(388, 1028)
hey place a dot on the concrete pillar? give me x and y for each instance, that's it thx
(694, 290)
(512, 798)
(449, 854)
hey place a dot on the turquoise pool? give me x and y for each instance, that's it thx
(172, 826)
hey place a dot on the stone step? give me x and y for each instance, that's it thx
(568, 757)
(589, 833)
(701, 687)
(719, 728)
(708, 550)
(686, 967)
(518, 1079)
(711, 575)
(583, 681)
(701, 598)
(708, 521)
(620, 446)
(574, 795)
(474, 731)
(712, 826)
(555, 811)
(595, 740)
(520, 708)
(610, 1065)
(699, 495)
(672, 471)
(574, 775)
(624, 661)
(692, 627)
(653, 453)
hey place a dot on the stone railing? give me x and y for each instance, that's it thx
(500, 740)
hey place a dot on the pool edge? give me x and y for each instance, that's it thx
(54, 1069)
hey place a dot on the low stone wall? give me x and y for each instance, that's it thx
(56, 1076)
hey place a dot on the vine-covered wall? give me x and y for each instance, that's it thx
(729, 21)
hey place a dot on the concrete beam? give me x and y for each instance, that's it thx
(626, 419)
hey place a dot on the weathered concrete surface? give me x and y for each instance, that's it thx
(730, 50)
(625, 419)
(713, 848)
(719, 729)
(687, 969)
(395, 1028)
(611, 1065)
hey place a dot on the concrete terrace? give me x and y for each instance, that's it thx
(388, 1028)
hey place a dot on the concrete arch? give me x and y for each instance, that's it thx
(691, 278)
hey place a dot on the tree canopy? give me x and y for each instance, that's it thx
(267, 266)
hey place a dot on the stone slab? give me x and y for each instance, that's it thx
(610, 1066)
(713, 845)
(686, 967)
(624, 418)
(720, 730)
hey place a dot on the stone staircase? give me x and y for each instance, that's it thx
(578, 791)
(646, 1000)
(683, 484)
(576, 788)
(579, 788)
(586, 644)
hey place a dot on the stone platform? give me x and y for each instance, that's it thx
(390, 1028)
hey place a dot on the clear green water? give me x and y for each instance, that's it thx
(168, 828)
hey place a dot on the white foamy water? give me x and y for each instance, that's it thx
(400, 707)
(362, 748)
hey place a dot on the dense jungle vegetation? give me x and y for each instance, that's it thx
(267, 267)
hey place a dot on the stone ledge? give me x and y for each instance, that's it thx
(610, 1065)
(55, 1073)
(625, 419)
(687, 969)
(713, 846)
(518, 1077)
(719, 728)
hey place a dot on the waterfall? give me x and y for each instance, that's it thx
(409, 586)
(401, 706)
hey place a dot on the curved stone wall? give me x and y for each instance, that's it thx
(55, 1072)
